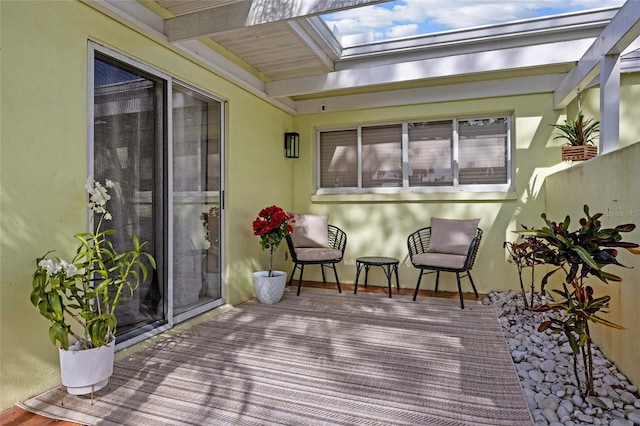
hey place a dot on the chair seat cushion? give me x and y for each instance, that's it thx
(315, 254)
(439, 260)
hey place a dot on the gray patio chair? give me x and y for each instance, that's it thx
(448, 245)
(315, 242)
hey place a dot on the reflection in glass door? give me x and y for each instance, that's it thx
(128, 126)
(161, 145)
(197, 212)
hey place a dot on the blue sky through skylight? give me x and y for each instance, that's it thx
(405, 18)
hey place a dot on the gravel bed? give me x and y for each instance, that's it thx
(544, 364)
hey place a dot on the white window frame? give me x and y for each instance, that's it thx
(405, 188)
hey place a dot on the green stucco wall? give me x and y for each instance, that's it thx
(608, 185)
(44, 165)
(378, 224)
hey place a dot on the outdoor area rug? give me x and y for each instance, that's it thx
(319, 358)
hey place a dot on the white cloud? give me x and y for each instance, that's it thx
(402, 31)
(405, 16)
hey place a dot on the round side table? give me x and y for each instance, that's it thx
(388, 264)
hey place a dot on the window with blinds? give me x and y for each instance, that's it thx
(417, 155)
(382, 156)
(339, 159)
(431, 153)
(482, 154)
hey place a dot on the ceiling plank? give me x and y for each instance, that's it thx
(247, 13)
(621, 32)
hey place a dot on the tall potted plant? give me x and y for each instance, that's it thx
(578, 254)
(80, 297)
(272, 225)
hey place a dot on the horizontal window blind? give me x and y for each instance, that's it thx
(483, 151)
(382, 156)
(339, 159)
(430, 153)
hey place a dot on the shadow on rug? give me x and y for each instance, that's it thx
(320, 358)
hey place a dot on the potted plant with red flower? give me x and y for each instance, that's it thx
(272, 226)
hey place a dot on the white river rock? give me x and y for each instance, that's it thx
(544, 363)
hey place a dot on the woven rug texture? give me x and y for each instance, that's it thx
(322, 358)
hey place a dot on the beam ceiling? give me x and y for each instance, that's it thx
(287, 56)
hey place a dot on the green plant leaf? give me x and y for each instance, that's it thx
(572, 342)
(586, 257)
(57, 333)
(600, 320)
(56, 305)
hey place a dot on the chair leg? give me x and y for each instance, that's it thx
(322, 269)
(460, 291)
(415, 293)
(437, 280)
(300, 279)
(335, 272)
(472, 283)
(293, 271)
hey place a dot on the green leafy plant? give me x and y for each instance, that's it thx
(579, 254)
(579, 131)
(88, 289)
(272, 225)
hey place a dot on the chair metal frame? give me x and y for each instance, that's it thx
(418, 243)
(337, 240)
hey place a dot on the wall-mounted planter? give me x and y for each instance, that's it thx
(579, 153)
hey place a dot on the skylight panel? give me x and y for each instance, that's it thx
(400, 19)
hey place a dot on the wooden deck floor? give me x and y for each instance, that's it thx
(16, 416)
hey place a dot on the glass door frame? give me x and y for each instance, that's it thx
(177, 318)
(166, 194)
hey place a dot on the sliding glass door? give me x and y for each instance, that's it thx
(196, 199)
(160, 142)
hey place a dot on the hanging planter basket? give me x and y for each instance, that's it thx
(579, 153)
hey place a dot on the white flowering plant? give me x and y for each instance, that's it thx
(87, 289)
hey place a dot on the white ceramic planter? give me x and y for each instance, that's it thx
(269, 290)
(87, 371)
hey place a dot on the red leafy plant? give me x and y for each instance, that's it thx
(578, 254)
(272, 225)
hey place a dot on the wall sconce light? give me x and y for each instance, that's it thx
(292, 145)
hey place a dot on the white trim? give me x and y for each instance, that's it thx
(440, 93)
(169, 213)
(311, 43)
(621, 32)
(90, 117)
(609, 103)
(532, 31)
